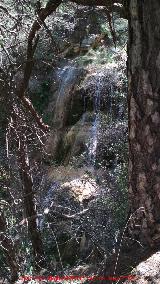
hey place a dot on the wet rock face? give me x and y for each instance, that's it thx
(66, 110)
(84, 96)
(69, 77)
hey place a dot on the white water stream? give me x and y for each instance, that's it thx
(93, 140)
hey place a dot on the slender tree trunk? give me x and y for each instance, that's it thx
(144, 118)
(8, 248)
(29, 206)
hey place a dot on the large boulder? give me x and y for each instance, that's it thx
(147, 272)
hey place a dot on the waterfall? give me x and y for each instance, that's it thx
(66, 76)
(93, 140)
(120, 112)
(111, 102)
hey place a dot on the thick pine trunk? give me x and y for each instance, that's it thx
(144, 118)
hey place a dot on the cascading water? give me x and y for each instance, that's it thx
(66, 76)
(111, 102)
(93, 140)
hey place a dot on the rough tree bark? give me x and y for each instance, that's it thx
(144, 118)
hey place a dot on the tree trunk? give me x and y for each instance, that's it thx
(144, 118)
(8, 248)
(29, 206)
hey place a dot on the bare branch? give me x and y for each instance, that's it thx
(63, 216)
(31, 47)
(45, 12)
(27, 103)
(4, 9)
(48, 31)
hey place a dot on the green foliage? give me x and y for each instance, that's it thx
(100, 56)
(68, 8)
(121, 28)
(105, 29)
